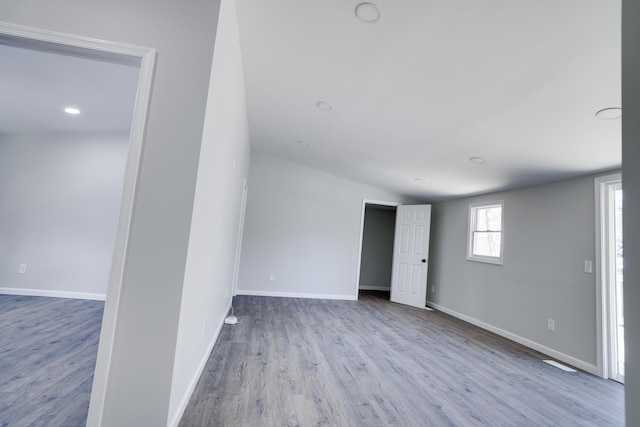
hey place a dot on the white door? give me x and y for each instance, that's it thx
(411, 255)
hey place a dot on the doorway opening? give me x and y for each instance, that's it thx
(376, 247)
(113, 53)
(394, 251)
(611, 277)
(236, 267)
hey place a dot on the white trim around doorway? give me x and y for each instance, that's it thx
(602, 268)
(113, 52)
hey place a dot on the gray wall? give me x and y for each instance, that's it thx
(631, 188)
(60, 204)
(138, 372)
(377, 248)
(304, 226)
(549, 231)
(224, 165)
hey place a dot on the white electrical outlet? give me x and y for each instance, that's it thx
(433, 288)
(551, 324)
(22, 269)
(272, 276)
(588, 267)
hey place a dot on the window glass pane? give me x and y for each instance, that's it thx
(486, 244)
(494, 216)
(481, 219)
(488, 219)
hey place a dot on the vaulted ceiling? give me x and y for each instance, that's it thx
(404, 102)
(400, 97)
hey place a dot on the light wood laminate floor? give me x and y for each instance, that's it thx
(297, 362)
(48, 349)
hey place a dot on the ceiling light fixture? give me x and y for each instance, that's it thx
(368, 13)
(476, 160)
(324, 106)
(609, 113)
(420, 180)
(71, 110)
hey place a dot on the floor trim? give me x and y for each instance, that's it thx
(573, 361)
(375, 288)
(49, 293)
(177, 416)
(295, 295)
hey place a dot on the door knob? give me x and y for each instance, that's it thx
(424, 260)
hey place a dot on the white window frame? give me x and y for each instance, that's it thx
(472, 228)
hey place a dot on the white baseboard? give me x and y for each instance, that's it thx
(375, 288)
(295, 295)
(175, 420)
(55, 294)
(580, 364)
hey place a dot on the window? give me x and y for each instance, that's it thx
(485, 232)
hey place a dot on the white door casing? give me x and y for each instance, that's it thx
(607, 325)
(243, 209)
(145, 58)
(411, 255)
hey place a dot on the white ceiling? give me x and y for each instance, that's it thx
(415, 95)
(37, 85)
(432, 84)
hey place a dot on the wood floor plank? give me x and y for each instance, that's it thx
(48, 348)
(309, 362)
(295, 362)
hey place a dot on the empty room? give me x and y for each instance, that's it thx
(237, 265)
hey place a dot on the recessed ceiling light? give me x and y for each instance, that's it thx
(71, 110)
(325, 106)
(609, 113)
(420, 180)
(369, 13)
(477, 160)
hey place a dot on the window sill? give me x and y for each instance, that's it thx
(486, 260)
